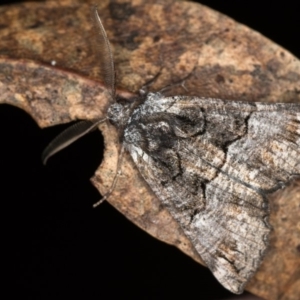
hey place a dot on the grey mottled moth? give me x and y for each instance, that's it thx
(211, 162)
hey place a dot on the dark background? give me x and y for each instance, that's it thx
(58, 246)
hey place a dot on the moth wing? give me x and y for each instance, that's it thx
(217, 190)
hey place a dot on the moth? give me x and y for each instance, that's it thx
(211, 162)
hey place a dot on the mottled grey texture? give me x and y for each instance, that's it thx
(212, 163)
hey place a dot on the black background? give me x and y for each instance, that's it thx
(58, 246)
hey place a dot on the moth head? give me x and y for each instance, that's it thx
(118, 114)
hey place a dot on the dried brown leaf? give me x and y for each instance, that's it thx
(219, 57)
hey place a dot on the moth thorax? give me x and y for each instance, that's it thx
(118, 114)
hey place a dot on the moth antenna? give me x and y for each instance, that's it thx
(73, 133)
(69, 136)
(107, 68)
(113, 185)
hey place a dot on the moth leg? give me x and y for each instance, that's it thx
(180, 83)
(113, 185)
(144, 89)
